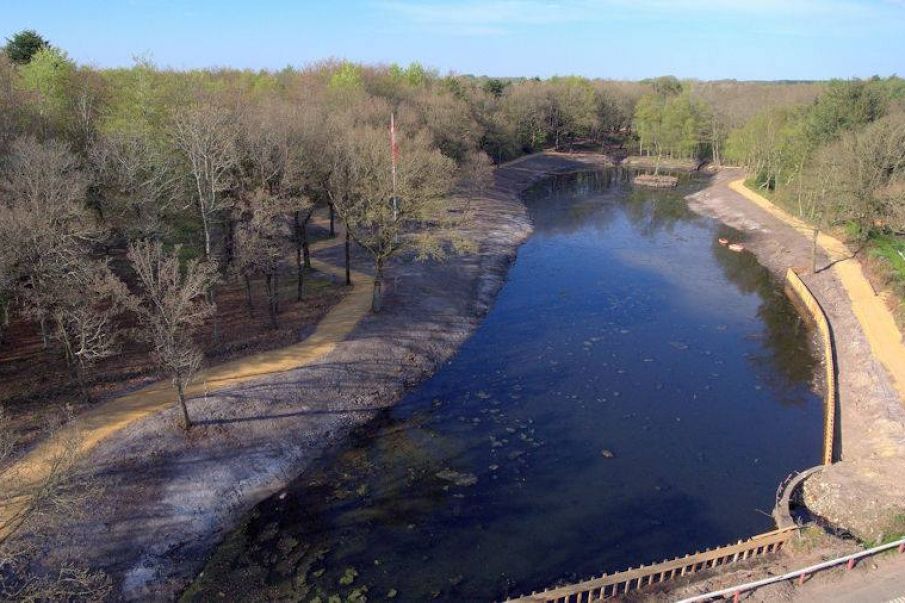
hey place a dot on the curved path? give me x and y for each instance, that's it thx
(111, 416)
(870, 309)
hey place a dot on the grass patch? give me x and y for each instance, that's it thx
(808, 539)
(886, 257)
(893, 530)
(891, 250)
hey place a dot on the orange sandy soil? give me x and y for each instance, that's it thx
(35, 384)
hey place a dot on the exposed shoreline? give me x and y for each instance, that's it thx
(168, 500)
(861, 490)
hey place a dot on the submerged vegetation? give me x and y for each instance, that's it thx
(133, 201)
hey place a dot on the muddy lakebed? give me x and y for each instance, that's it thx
(637, 392)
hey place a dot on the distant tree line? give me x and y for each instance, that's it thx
(831, 152)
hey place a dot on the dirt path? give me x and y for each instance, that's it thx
(168, 498)
(871, 415)
(863, 490)
(872, 311)
(112, 416)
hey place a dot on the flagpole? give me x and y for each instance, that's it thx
(394, 150)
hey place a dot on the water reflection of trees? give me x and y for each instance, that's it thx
(565, 203)
(787, 364)
(651, 212)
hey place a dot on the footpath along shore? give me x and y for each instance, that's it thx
(871, 309)
(168, 498)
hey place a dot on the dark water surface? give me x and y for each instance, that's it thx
(624, 327)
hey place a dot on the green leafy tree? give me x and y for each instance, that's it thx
(50, 76)
(24, 45)
(494, 87)
(845, 105)
(665, 86)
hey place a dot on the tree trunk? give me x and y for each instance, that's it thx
(271, 304)
(75, 368)
(248, 300)
(186, 421)
(300, 270)
(306, 252)
(44, 342)
(376, 299)
(230, 242)
(814, 251)
(81, 376)
(332, 221)
(215, 319)
(207, 236)
(348, 258)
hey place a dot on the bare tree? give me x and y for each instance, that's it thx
(171, 307)
(138, 182)
(82, 303)
(207, 136)
(33, 503)
(385, 219)
(475, 174)
(862, 177)
(273, 145)
(46, 236)
(262, 244)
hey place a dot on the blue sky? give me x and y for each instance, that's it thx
(622, 39)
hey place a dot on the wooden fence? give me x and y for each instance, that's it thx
(800, 292)
(607, 586)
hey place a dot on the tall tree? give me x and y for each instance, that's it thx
(49, 76)
(137, 183)
(45, 250)
(206, 134)
(262, 245)
(171, 306)
(384, 219)
(863, 180)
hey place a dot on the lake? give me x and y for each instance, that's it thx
(637, 392)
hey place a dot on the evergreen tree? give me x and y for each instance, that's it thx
(23, 45)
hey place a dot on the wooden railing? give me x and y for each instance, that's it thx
(607, 586)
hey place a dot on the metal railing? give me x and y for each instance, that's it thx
(801, 574)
